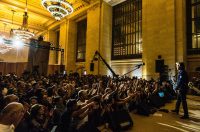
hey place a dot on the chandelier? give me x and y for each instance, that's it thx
(23, 33)
(58, 8)
(3, 46)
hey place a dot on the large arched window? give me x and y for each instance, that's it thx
(193, 26)
(127, 30)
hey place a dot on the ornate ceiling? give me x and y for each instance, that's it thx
(39, 19)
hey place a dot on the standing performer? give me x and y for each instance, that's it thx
(181, 88)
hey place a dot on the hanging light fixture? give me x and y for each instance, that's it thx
(11, 31)
(4, 48)
(58, 8)
(23, 33)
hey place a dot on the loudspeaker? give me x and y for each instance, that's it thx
(91, 66)
(164, 75)
(38, 56)
(159, 65)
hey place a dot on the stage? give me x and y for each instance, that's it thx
(170, 122)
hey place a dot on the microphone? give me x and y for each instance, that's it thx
(139, 65)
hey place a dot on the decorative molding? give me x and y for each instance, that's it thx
(93, 7)
(114, 2)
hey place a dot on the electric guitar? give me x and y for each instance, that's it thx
(174, 85)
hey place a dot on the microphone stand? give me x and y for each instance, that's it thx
(137, 67)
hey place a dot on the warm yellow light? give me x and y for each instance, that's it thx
(58, 8)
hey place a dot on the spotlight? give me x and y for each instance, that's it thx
(18, 44)
(1, 40)
(85, 72)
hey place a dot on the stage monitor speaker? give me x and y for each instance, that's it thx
(91, 66)
(159, 65)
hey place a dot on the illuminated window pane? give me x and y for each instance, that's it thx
(193, 26)
(81, 40)
(127, 30)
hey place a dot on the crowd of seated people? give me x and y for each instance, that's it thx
(61, 103)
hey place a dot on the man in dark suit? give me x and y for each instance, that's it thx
(182, 88)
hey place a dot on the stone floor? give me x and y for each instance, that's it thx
(169, 122)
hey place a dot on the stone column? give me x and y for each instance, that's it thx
(92, 39)
(105, 37)
(181, 46)
(63, 40)
(70, 47)
(158, 33)
(52, 39)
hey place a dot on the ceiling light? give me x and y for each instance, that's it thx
(58, 8)
(1, 40)
(3, 46)
(18, 44)
(23, 33)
